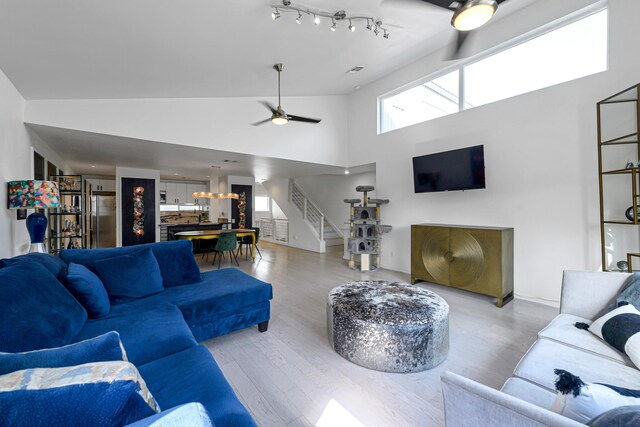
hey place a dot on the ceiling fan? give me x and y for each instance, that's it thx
(468, 15)
(278, 116)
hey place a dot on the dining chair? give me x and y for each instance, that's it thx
(248, 241)
(225, 243)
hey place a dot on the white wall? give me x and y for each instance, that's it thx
(301, 234)
(124, 172)
(219, 123)
(16, 144)
(540, 150)
(329, 191)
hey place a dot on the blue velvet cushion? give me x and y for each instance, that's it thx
(99, 349)
(225, 300)
(177, 263)
(93, 394)
(193, 376)
(131, 276)
(55, 265)
(147, 333)
(88, 290)
(36, 310)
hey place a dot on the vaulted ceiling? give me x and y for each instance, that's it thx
(123, 49)
(95, 49)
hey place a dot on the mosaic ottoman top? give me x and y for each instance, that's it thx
(388, 303)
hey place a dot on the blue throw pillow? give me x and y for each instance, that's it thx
(36, 310)
(55, 265)
(103, 348)
(95, 394)
(177, 263)
(88, 290)
(130, 277)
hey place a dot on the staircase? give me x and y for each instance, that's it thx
(326, 230)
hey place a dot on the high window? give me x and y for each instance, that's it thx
(542, 59)
(262, 204)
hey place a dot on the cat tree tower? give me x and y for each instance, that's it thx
(365, 230)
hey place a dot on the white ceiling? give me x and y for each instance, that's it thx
(96, 49)
(97, 154)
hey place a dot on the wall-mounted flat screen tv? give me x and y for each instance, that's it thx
(461, 169)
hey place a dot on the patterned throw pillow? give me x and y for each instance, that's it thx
(620, 329)
(102, 348)
(96, 394)
(583, 402)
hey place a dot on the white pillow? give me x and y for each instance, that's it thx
(620, 329)
(583, 402)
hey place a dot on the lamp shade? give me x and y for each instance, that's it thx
(33, 194)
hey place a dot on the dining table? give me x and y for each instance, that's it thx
(215, 234)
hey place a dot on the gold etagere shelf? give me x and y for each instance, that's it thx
(69, 223)
(630, 95)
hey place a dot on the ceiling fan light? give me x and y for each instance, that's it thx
(279, 120)
(473, 14)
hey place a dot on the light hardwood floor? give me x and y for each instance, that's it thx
(288, 375)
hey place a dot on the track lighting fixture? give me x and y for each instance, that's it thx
(336, 17)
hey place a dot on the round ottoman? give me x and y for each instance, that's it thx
(388, 326)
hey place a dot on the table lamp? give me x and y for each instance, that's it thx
(33, 194)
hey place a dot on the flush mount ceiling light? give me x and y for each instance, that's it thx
(473, 14)
(341, 15)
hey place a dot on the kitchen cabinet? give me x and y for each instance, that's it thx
(102, 185)
(196, 188)
(181, 193)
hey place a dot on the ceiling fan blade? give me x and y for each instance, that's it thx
(302, 119)
(261, 122)
(269, 106)
(458, 51)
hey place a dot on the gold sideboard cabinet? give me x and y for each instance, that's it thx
(476, 259)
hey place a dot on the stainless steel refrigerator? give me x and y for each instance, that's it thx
(103, 220)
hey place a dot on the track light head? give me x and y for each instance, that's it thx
(316, 19)
(368, 25)
(275, 14)
(386, 34)
(333, 26)
(375, 30)
(299, 18)
(351, 27)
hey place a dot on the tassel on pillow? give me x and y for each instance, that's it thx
(582, 402)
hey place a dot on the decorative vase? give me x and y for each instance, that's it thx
(629, 213)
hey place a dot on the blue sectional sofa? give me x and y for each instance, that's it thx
(160, 332)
